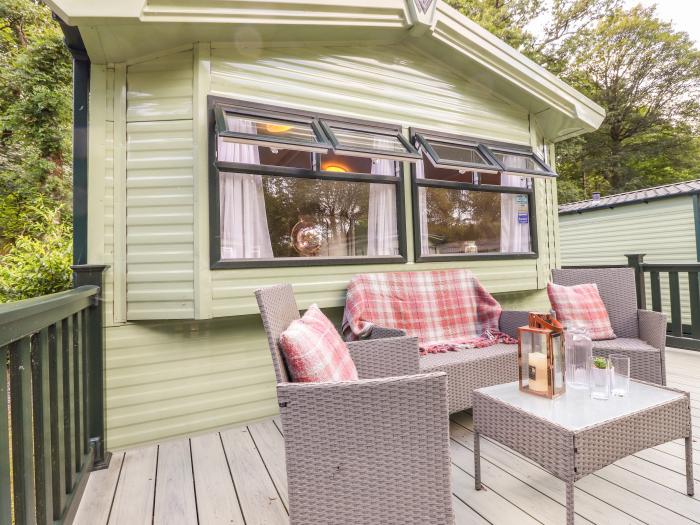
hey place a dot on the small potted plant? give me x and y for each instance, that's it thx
(600, 378)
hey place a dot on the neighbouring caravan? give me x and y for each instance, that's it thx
(663, 223)
(232, 144)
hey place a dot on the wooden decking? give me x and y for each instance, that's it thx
(237, 476)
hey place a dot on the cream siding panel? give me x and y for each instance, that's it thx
(159, 189)
(173, 378)
(391, 83)
(160, 89)
(664, 230)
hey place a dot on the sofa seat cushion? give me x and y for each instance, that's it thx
(473, 368)
(624, 344)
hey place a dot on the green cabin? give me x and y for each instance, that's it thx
(628, 223)
(225, 145)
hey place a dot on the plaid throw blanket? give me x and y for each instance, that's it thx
(445, 309)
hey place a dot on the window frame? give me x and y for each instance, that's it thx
(425, 137)
(328, 124)
(216, 167)
(524, 151)
(417, 183)
(220, 110)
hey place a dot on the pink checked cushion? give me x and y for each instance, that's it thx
(314, 351)
(581, 303)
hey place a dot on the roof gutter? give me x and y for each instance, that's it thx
(81, 93)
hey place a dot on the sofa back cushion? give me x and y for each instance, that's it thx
(617, 289)
(581, 304)
(314, 351)
(440, 307)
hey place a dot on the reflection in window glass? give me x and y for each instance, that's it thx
(518, 162)
(285, 157)
(459, 222)
(325, 218)
(459, 153)
(266, 127)
(452, 175)
(350, 139)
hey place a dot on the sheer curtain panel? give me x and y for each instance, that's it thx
(382, 224)
(244, 231)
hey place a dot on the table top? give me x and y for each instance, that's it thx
(575, 410)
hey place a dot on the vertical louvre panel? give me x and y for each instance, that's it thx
(68, 392)
(84, 380)
(58, 456)
(21, 392)
(5, 468)
(42, 428)
(159, 189)
(655, 281)
(694, 290)
(78, 393)
(675, 295)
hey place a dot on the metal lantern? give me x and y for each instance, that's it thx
(541, 362)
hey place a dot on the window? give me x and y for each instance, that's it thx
(467, 204)
(291, 188)
(521, 161)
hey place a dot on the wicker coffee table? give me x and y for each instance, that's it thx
(573, 435)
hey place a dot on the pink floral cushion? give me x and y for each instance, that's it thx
(314, 351)
(582, 304)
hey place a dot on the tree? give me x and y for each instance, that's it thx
(647, 77)
(35, 151)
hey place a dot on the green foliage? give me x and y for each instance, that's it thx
(35, 152)
(600, 362)
(39, 261)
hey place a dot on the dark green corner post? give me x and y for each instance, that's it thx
(93, 275)
(636, 261)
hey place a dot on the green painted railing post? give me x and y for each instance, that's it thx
(636, 261)
(93, 274)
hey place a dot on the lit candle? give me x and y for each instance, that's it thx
(537, 363)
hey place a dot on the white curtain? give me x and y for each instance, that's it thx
(243, 221)
(515, 216)
(382, 220)
(422, 209)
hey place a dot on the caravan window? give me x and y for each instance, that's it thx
(292, 188)
(468, 204)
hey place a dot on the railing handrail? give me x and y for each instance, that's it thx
(22, 318)
(670, 267)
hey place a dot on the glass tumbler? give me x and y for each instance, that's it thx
(620, 369)
(600, 378)
(578, 352)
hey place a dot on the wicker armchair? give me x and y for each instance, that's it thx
(374, 450)
(641, 334)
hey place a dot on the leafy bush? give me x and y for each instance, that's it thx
(38, 263)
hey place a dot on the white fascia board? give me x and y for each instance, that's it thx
(483, 47)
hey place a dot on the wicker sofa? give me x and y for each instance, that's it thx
(641, 334)
(374, 450)
(471, 369)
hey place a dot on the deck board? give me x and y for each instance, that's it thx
(133, 499)
(237, 476)
(217, 502)
(174, 502)
(260, 501)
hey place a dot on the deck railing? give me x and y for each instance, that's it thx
(680, 334)
(51, 401)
